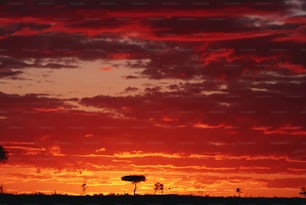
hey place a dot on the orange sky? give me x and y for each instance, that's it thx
(203, 98)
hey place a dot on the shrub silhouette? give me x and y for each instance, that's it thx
(84, 187)
(134, 179)
(303, 191)
(158, 187)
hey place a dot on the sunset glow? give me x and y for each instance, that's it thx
(203, 97)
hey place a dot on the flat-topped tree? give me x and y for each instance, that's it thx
(134, 179)
(3, 154)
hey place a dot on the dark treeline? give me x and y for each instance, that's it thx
(9, 199)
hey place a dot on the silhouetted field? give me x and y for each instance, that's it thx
(7, 199)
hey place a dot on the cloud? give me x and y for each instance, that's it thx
(106, 69)
(102, 149)
(295, 68)
(140, 154)
(180, 62)
(26, 149)
(206, 126)
(55, 150)
(283, 130)
(11, 66)
(55, 109)
(286, 182)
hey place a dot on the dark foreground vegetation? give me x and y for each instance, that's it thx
(8, 199)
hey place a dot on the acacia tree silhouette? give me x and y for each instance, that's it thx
(134, 179)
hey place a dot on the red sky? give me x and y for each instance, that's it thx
(203, 97)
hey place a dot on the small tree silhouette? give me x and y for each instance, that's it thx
(3, 154)
(84, 188)
(238, 190)
(134, 179)
(303, 191)
(158, 187)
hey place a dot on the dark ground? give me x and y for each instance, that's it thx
(7, 199)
